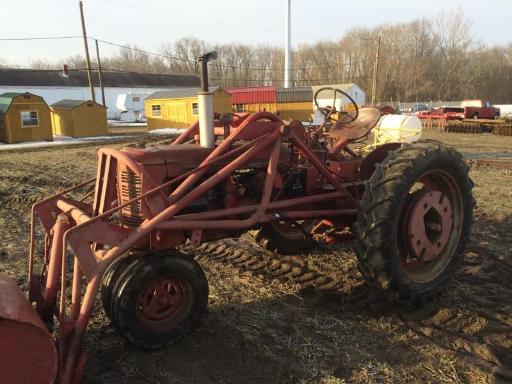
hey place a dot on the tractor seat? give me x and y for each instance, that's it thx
(357, 129)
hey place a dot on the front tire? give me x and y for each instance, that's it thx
(110, 278)
(159, 300)
(414, 220)
(284, 237)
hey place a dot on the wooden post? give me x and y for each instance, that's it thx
(86, 46)
(100, 76)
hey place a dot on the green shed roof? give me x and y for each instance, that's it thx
(70, 103)
(6, 99)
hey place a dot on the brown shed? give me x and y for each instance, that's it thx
(24, 117)
(79, 118)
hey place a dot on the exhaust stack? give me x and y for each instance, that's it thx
(205, 104)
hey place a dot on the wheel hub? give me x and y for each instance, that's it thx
(430, 224)
(161, 300)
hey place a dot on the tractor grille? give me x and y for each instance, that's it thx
(130, 187)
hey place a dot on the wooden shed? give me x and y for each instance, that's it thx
(289, 103)
(79, 118)
(24, 117)
(294, 103)
(178, 108)
(253, 99)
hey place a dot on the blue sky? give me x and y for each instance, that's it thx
(149, 24)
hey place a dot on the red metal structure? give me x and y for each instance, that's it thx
(409, 207)
(252, 95)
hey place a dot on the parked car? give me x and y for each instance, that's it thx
(420, 107)
(479, 109)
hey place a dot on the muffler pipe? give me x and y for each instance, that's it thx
(205, 104)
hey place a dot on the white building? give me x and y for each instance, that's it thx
(54, 85)
(325, 98)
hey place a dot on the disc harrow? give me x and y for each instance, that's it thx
(250, 258)
(503, 130)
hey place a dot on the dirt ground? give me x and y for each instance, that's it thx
(306, 318)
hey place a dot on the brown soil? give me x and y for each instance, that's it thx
(306, 318)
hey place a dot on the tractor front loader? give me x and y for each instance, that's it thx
(408, 207)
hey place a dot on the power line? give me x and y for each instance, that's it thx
(273, 81)
(39, 38)
(220, 66)
(217, 22)
(170, 57)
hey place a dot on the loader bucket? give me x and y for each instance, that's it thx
(27, 351)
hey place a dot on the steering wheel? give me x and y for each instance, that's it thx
(348, 117)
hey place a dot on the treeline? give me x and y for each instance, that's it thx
(426, 59)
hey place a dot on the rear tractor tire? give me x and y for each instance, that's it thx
(414, 220)
(156, 299)
(284, 238)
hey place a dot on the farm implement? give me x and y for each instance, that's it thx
(408, 208)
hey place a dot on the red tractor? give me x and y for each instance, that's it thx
(409, 208)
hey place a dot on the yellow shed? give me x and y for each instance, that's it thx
(178, 108)
(79, 118)
(24, 117)
(255, 107)
(294, 103)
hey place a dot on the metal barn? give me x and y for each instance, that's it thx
(79, 118)
(24, 117)
(178, 108)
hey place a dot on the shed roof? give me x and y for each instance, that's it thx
(251, 89)
(71, 103)
(252, 95)
(6, 99)
(78, 78)
(178, 93)
(294, 94)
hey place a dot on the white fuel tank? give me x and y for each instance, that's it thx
(398, 128)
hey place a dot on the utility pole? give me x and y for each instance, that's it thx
(376, 72)
(350, 67)
(86, 46)
(287, 45)
(100, 74)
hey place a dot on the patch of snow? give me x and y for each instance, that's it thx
(165, 131)
(68, 140)
(118, 123)
(61, 140)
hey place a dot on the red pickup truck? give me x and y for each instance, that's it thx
(479, 109)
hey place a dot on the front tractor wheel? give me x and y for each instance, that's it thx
(159, 299)
(414, 220)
